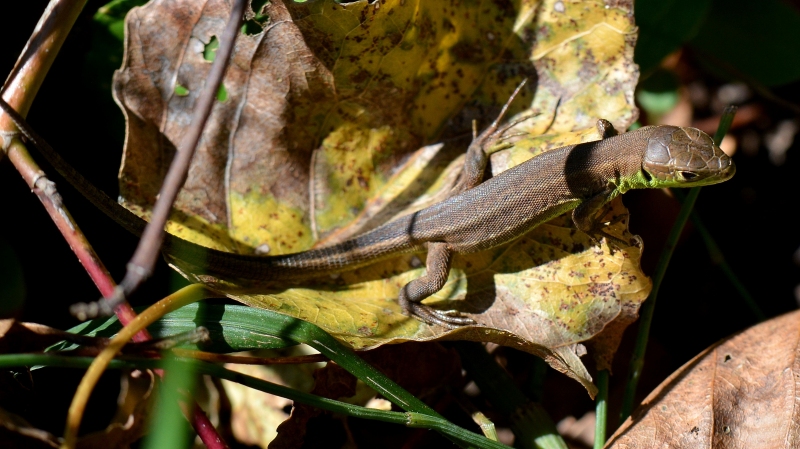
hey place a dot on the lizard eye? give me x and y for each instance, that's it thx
(687, 175)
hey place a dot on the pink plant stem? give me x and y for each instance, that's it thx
(23, 84)
(208, 434)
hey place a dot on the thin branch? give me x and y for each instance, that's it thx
(19, 91)
(141, 265)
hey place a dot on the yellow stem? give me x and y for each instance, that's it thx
(182, 297)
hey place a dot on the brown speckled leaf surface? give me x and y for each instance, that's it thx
(329, 125)
(739, 393)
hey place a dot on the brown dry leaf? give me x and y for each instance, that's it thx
(319, 138)
(17, 337)
(332, 382)
(740, 393)
(16, 432)
(134, 408)
(255, 415)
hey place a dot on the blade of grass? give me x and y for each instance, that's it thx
(410, 419)
(646, 313)
(232, 328)
(170, 428)
(601, 410)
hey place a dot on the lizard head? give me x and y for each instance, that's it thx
(684, 157)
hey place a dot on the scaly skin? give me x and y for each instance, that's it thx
(582, 178)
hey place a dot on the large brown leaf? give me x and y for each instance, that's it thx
(743, 392)
(319, 135)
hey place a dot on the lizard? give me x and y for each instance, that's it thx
(582, 178)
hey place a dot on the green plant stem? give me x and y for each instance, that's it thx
(169, 428)
(718, 258)
(265, 325)
(410, 419)
(284, 327)
(601, 410)
(646, 313)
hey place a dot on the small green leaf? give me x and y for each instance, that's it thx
(658, 94)
(232, 328)
(222, 93)
(112, 15)
(181, 91)
(210, 49)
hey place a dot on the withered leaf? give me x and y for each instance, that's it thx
(134, 407)
(740, 392)
(319, 138)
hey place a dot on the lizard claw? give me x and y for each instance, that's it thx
(450, 319)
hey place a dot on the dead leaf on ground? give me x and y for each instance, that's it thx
(332, 382)
(740, 393)
(16, 432)
(321, 133)
(134, 409)
(17, 337)
(255, 415)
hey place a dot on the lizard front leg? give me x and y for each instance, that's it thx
(588, 214)
(437, 270)
(482, 146)
(440, 254)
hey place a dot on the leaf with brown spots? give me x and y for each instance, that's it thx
(320, 136)
(740, 392)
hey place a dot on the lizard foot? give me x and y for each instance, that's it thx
(449, 318)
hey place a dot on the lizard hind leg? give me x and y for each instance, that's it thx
(437, 270)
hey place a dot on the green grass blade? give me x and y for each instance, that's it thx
(646, 313)
(170, 428)
(601, 410)
(410, 419)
